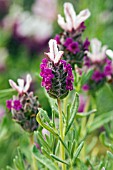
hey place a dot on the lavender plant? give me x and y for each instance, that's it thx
(65, 138)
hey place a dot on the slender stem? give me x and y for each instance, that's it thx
(34, 166)
(61, 133)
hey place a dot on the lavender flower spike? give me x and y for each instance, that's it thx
(56, 73)
(54, 55)
(73, 21)
(20, 88)
(98, 52)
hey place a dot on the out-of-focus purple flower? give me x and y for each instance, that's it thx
(86, 44)
(81, 103)
(57, 38)
(68, 41)
(85, 87)
(87, 62)
(4, 7)
(97, 76)
(73, 21)
(46, 9)
(28, 29)
(9, 104)
(108, 70)
(73, 47)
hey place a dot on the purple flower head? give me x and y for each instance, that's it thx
(56, 73)
(86, 44)
(68, 41)
(85, 87)
(57, 38)
(73, 47)
(9, 104)
(17, 105)
(97, 76)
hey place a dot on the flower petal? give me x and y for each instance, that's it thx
(54, 54)
(14, 86)
(28, 82)
(81, 17)
(20, 83)
(69, 15)
(62, 23)
(95, 46)
(109, 53)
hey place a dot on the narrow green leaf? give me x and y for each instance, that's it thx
(6, 91)
(81, 115)
(58, 159)
(40, 137)
(73, 148)
(43, 160)
(85, 77)
(63, 144)
(73, 111)
(44, 114)
(18, 161)
(53, 131)
(45, 153)
(76, 154)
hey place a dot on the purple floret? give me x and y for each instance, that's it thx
(57, 38)
(86, 44)
(97, 76)
(108, 70)
(46, 74)
(17, 105)
(85, 87)
(68, 42)
(73, 47)
(9, 104)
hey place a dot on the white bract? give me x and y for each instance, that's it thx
(109, 53)
(54, 55)
(73, 21)
(98, 52)
(21, 88)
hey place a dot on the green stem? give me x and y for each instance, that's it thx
(34, 165)
(61, 133)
